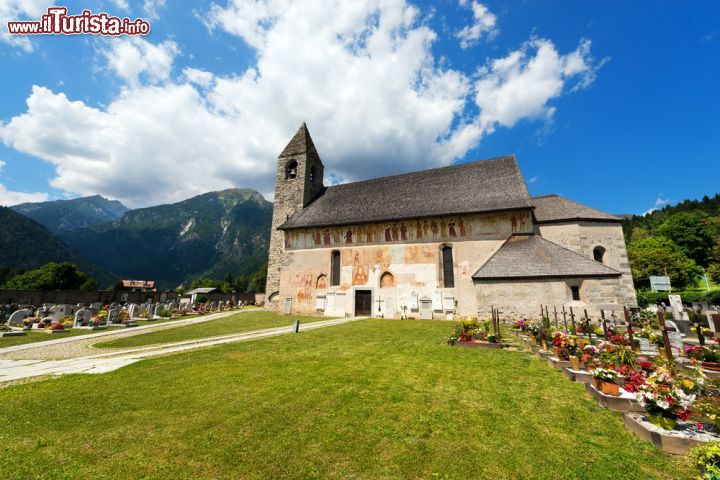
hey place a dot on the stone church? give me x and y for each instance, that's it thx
(439, 243)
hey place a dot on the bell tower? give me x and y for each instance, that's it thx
(298, 179)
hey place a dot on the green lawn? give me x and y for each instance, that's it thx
(370, 399)
(40, 336)
(243, 322)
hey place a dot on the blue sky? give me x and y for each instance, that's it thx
(626, 117)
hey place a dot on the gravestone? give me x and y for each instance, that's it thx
(83, 318)
(675, 339)
(113, 316)
(287, 306)
(133, 310)
(426, 308)
(413, 303)
(437, 301)
(389, 307)
(320, 303)
(157, 310)
(17, 317)
(340, 298)
(449, 304)
(330, 303)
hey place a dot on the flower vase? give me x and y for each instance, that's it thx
(612, 389)
(574, 363)
(665, 423)
(595, 383)
(544, 345)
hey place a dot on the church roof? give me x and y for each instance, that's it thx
(531, 256)
(300, 143)
(489, 185)
(554, 208)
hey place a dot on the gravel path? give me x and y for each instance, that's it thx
(81, 346)
(13, 371)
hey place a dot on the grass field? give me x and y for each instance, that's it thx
(40, 336)
(243, 322)
(369, 399)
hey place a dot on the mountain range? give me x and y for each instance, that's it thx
(66, 215)
(205, 236)
(25, 245)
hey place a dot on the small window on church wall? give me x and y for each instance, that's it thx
(335, 269)
(291, 170)
(575, 290)
(387, 280)
(313, 174)
(599, 254)
(447, 267)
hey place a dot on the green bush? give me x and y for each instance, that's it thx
(647, 297)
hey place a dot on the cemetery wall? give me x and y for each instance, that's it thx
(72, 297)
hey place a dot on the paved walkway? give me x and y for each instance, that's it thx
(13, 370)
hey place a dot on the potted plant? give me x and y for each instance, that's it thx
(605, 380)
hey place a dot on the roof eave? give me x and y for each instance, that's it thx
(284, 226)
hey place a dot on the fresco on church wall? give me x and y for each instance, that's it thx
(467, 227)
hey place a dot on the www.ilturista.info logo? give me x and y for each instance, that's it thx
(57, 22)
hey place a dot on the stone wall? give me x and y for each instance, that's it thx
(72, 297)
(369, 251)
(583, 237)
(290, 196)
(522, 298)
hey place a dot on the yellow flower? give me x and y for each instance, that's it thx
(688, 385)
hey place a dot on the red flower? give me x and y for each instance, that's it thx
(684, 414)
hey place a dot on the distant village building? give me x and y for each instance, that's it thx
(138, 286)
(452, 240)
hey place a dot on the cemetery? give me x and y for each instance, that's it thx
(657, 368)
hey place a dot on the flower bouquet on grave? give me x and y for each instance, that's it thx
(519, 325)
(28, 323)
(706, 409)
(57, 326)
(605, 380)
(666, 399)
(708, 357)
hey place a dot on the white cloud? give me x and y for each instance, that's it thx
(152, 8)
(520, 85)
(532, 180)
(2, 164)
(364, 78)
(122, 5)
(484, 23)
(135, 59)
(660, 202)
(198, 77)
(11, 10)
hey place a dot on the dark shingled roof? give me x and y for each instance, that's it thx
(554, 208)
(300, 143)
(482, 186)
(531, 256)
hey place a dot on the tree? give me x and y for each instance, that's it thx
(241, 283)
(258, 280)
(693, 231)
(713, 272)
(51, 276)
(661, 256)
(205, 283)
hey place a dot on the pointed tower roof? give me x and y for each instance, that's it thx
(300, 143)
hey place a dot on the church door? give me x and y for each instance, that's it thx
(363, 303)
